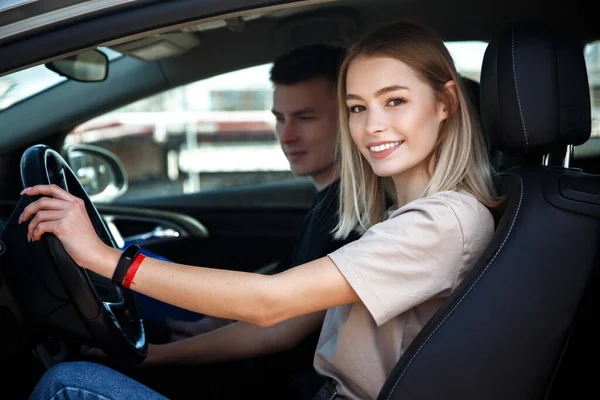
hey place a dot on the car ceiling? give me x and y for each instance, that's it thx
(263, 37)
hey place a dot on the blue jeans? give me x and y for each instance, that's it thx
(82, 380)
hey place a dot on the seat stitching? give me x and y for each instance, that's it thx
(466, 294)
(517, 90)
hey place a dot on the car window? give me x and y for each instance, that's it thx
(468, 57)
(210, 134)
(592, 60)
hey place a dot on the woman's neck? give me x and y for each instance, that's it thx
(410, 185)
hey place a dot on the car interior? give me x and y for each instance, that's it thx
(520, 325)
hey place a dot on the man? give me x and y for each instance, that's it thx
(305, 109)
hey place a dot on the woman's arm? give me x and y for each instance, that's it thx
(236, 341)
(262, 300)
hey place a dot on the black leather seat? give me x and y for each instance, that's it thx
(502, 333)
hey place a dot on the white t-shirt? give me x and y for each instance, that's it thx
(402, 269)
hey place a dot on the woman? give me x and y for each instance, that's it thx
(407, 131)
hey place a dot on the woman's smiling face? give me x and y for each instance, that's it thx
(394, 116)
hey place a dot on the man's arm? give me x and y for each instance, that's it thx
(236, 341)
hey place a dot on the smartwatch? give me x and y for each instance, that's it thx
(127, 257)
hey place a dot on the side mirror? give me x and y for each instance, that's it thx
(99, 171)
(91, 66)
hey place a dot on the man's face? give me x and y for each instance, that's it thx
(306, 126)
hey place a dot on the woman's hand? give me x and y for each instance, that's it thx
(65, 216)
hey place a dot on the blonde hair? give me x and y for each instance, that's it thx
(460, 157)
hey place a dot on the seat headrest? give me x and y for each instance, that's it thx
(535, 96)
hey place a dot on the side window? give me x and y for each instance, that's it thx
(468, 57)
(592, 61)
(210, 134)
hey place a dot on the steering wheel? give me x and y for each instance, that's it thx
(53, 289)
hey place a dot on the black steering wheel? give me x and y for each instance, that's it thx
(53, 290)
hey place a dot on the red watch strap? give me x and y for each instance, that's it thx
(128, 280)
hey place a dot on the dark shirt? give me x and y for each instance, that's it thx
(315, 239)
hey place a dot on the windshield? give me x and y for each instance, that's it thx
(29, 82)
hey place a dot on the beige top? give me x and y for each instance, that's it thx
(402, 269)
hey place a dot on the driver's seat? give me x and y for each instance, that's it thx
(502, 333)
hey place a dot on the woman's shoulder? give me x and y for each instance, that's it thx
(462, 206)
